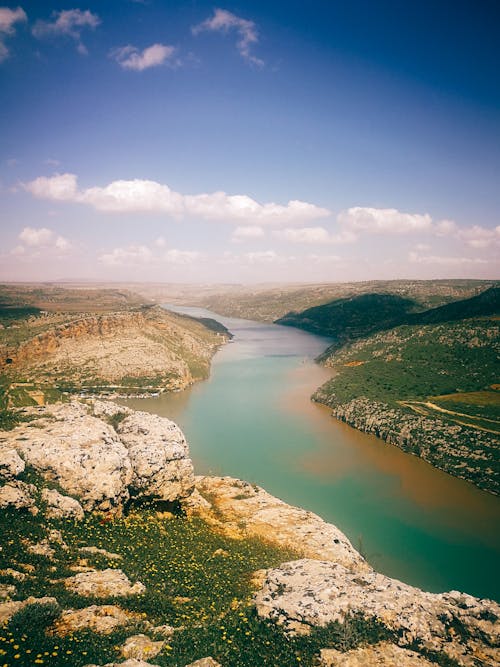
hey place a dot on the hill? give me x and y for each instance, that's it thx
(135, 350)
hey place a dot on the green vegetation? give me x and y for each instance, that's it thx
(196, 580)
(429, 389)
(353, 317)
(359, 316)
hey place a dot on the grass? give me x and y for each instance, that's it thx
(196, 579)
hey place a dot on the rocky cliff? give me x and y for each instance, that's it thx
(127, 352)
(60, 468)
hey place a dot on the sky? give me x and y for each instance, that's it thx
(247, 142)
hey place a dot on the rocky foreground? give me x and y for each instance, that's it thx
(100, 457)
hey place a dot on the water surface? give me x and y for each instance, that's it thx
(253, 419)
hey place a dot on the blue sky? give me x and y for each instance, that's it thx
(249, 142)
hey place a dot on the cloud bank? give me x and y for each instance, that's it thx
(139, 195)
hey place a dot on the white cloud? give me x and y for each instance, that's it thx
(184, 257)
(133, 196)
(384, 220)
(415, 258)
(445, 227)
(69, 23)
(263, 257)
(224, 21)
(129, 57)
(247, 232)
(479, 237)
(149, 196)
(51, 162)
(60, 187)
(36, 237)
(160, 242)
(132, 254)
(318, 235)
(8, 17)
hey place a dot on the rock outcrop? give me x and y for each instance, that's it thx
(101, 466)
(61, 507)
(306, 593)
(102, 619)
(379, 655)
(239, 508)
(18, 495)
(103, 584)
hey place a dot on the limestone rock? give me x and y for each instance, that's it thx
(61, 507)
(14, 574)
(11, 464)
(102, 619)
(7, 591)
(131, 662)
(378, 655)
(306, 593)
(18, 495)
(41, 548)
(236, 502)
(79, 452)
(141, 647)
(159, 456)
(204, 662)
(100, 552)
(108, 409)
(8, 609)
(98, 464)
(103, 583)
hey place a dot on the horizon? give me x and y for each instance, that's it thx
(248, 143)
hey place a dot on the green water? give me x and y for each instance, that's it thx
(253, 419)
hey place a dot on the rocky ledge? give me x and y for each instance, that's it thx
(101, 455)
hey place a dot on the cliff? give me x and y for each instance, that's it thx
(148, 350)
(113, 551)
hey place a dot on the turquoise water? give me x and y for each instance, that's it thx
(253, 419)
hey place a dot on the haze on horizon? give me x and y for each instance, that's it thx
(249, 142)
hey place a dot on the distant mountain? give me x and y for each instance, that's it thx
(359, 316)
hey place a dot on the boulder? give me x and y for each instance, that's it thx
(204, 662)
(141, 647)
(11, 464)
(103, 583)
(98, 459)
(378, 655)
(18, 495)
(159, 456)
(102, 619)
(61, 507)
(307, 593)
(81, 453)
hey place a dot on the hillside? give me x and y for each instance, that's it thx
(146, 350)
(431, 390)
(359, 316)
(267, 303)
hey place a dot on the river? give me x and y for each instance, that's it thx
(253, 419)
